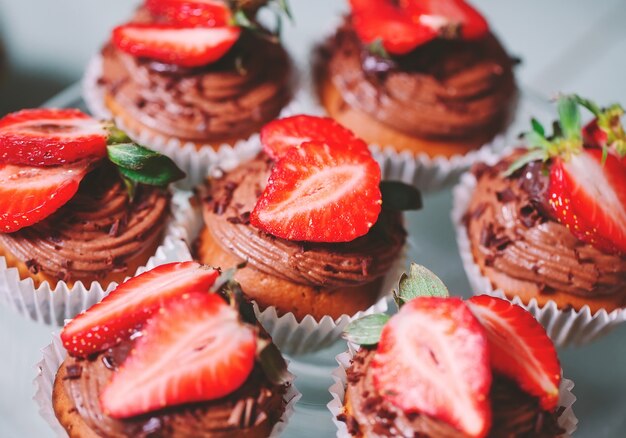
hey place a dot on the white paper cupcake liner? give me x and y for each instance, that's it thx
(295, 337)
(564, 326)
(54, 354)
(567, 420)
(198, 163)
(53, 306)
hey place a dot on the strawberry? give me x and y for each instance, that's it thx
(520, 348)
(433, 358)
(195, 350)
(448, 18)
(590, 198)
(184, 46)
(593, 135)
(131, 304)
(317, 193)
(208, 13)
(50, 137)
(30, 194)
(281, 135)
(382, 20)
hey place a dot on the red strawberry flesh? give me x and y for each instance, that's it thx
(520, 348)
(279, 136)
(50, 137)
(131, 304)
(174, 44)
(590, 198)
(317, 193)
(444, 16)
(433, 358)
(29, 195)
(384, 21)
(209, 13)
(195, 349)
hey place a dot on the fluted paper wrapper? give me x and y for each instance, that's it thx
(53, 306)
(564, 326)
(567, 420)
(54, 354)
(295, 337)
(197, 162)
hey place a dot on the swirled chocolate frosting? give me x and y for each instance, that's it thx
(509, 223)
(256, 403)
(96, 232)
(515, 413)
(443, 90)
(228, 99)
(227, 203)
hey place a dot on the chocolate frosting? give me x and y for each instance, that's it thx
(510, 223)
(227, 203)
(231, 98)
(255, 403)
(96, 232)
(515, 413)
(445, 89)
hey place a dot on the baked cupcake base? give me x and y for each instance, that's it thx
(565, 325)
(285, 296)
(375, 132)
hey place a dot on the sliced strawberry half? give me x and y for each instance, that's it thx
(131, 304)
(30, 194)
(184, 46)
(448, 18)
(520, 348)
(590, 198)
(317, 193)
(433, 358)
(281, 135)
(195, 349)
(209, 13)
(50, 137)
(382, 20)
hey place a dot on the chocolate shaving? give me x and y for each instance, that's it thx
(33, 266)
(506, 195)
(73, 372)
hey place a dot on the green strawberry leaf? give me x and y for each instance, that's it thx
(528, 157)
(538, 127)
(377, 48)
(366, 330)
(156, 171)
(399, 196)
(130, 156)
(420, 282)
(569, 114)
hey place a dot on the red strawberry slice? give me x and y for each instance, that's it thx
(590, 198)
(184, 46)
(49, 137)
(30, 194)
(382, 20)
(433, 358)
(131, 304)
(593, 135)
(196, 349)
(447, 17)
(281, 135)
(320, 194)
(520, 348)
(209, 13)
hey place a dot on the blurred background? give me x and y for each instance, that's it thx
(565, 45)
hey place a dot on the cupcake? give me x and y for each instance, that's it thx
(306, 217)
(446, 367)
(548, 223)
(195, 72)
(80, 204)
(419, 77)
(161, 355)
